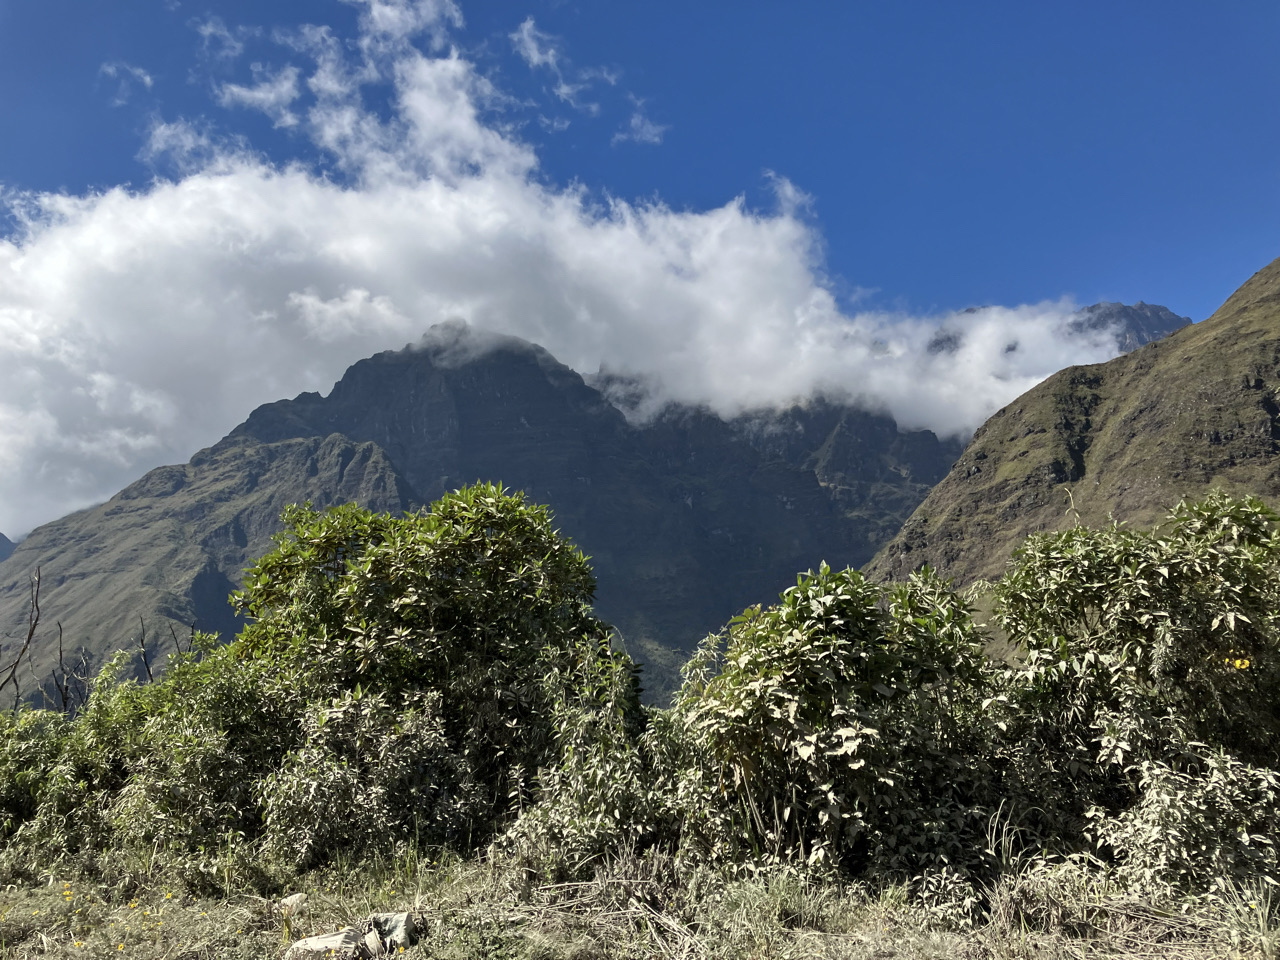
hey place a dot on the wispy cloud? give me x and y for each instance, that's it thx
(535, 47)
(640, 129)
(539, 51)
(385, 25)
(273, 93)
(137, 325)
(126, 76)
(217, 41)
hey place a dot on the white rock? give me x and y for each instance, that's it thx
(346, 943)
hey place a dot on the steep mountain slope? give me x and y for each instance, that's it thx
(6, 547)
(1127, 438)
(687, 519)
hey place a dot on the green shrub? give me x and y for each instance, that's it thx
(403, 680)
(478, 600)
(834, 726)
(1145, 719)
(440, 680)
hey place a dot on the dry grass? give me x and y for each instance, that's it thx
(644, 907)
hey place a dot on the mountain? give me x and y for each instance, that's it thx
(1126, 439)
(687, 518)
(6, 547)
(1134, 326)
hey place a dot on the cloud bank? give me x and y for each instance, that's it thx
(138, 325)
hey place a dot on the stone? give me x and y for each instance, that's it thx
(294, 905)
(396, 929)
(346, 944)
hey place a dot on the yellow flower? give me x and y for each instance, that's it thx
(168, 896)
(1242, 664)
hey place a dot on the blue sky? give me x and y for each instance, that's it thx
(212, 205)
(957, 154)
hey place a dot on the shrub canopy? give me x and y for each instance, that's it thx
(440, 679)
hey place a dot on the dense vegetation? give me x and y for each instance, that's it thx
(438, 684)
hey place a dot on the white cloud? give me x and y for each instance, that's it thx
(139, 325)
(125, 75)
(217, 41)
(273, 93)
(640, 129)
(538, 50)
(534, 46)
(386, 25)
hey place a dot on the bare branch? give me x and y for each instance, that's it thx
(33, 621)
(142, 642)
(64, 689)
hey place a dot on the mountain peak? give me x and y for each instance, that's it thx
(456, 343)
(6, 547)
(1134, 326)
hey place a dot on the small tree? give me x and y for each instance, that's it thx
(476, 612)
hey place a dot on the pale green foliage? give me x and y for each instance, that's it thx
(402, 682)
(391, 772)
(596, 796)
(831, 728)
(439, 679)
(479, 599)
(1146, 717)
(1207, 824)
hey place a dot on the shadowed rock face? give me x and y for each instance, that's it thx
(1127, 439)
(687, 519)
(6, 547)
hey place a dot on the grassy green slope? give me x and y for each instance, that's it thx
(1127, 439)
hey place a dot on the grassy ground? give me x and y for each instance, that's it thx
(642, 908)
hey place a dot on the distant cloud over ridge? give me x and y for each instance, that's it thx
(137, 325)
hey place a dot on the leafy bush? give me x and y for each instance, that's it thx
(1145, 718)
(479, 600)
(833, 727)
(440, 679)
(401, 682)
